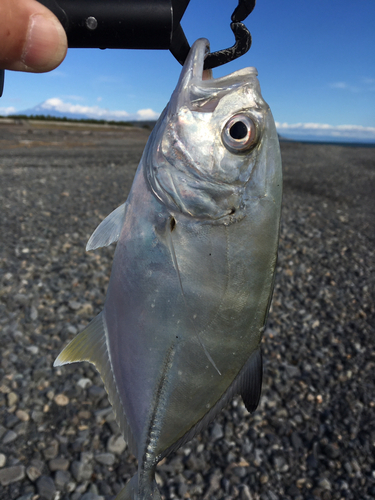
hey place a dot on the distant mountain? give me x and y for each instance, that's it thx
(40, 110)
(54, 107)
(58, 108)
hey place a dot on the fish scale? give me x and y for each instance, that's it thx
(193, 270)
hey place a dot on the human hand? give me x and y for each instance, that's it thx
(31, 37)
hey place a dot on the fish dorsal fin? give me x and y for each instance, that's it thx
(248, 383)
(108, 230)
(91, 345)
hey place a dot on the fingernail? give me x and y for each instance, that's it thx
(45, 45)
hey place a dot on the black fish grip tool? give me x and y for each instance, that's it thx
(140, 24)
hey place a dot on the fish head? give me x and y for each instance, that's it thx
(206, 156)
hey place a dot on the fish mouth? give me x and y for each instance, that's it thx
(197, 89)
(192, 73)
(195, 61)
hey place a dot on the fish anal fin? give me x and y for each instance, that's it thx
(108, 230)
(248, 383)
(91, 345)
(251, 384)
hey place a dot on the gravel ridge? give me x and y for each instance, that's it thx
(313, 435)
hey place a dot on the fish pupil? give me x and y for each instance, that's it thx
(238, 131)
(172, 223)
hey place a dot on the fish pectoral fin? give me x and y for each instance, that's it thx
(86, 346)
(251, 383)
(108, 230)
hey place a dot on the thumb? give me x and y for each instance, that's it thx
(31, 37)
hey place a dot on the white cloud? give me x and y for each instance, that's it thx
(57, 73)
(344, 86)
(364, 84)
(369, 83)
(147, 114)
(350, 132)
(96, 112)
(7, 111)
(338, 85)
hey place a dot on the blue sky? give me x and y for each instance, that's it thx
(316, 64)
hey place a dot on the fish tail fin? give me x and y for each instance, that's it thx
(132, 491)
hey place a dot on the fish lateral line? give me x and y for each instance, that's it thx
(175, 265)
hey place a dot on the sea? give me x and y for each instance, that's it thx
(329, 141)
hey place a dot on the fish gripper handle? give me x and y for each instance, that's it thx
(118, 24)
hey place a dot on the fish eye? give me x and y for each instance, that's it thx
(239, 133)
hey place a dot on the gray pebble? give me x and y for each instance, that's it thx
(33, 473)
(13, 474)
(96, 393)
(325, 484)
(105, 458)
(296, 441)
(37, 416)
(33, 313)
(84, 383)
(72, 329)
(9, 437)
(79, 490)
(12, 398)
(245, 493)
(116, 444)
(51, 451)
(272, 496)
(217, 431)
(58, 464)
(279, 463)
(11, 421)
(2, 431)
(102, 413)
(46, 488)
(91, 496)
(35, 469)
(73, 304)
(81, 471)
(86, 456)
(27, 496)
(62, 478)
(33, 349)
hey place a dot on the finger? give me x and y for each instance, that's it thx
(31, 37)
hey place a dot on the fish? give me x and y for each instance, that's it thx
(194, 266)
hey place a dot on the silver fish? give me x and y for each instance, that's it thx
(193, 271)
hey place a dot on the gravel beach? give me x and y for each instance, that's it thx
(313, 435)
